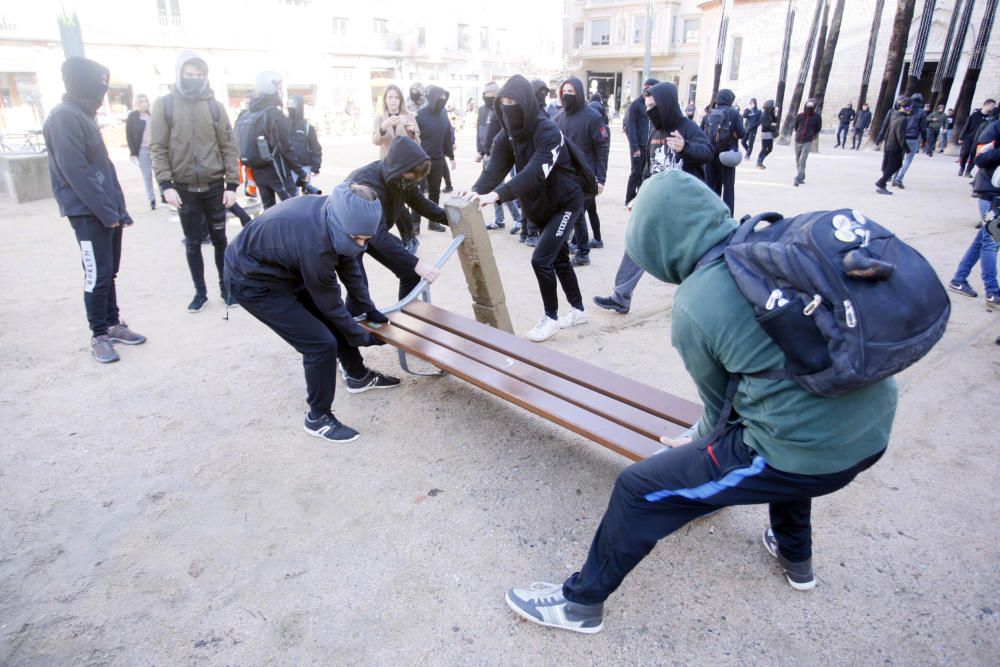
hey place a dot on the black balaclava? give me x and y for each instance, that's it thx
(513, 116)
(572, 102)
(349, 215)
(86, 82)
(666, 115)
(541, 92)
(296, 105)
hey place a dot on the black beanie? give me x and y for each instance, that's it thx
(85, 79)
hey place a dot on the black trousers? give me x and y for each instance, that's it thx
(748, 140)
(722, 180)
(446, 175)
(581, 237)
(550, 260)
(965, 157)
(438, 166)
(857, 138)
(891, 162)
(932, 137)
(100, 255)
(198, 211)
(595, 219)
(294, 316)
(766, 146)
(635, 175)
(655, 497)
(270, 184)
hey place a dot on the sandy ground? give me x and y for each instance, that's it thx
(168, 509)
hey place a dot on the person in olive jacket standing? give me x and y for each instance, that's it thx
(85, 185)
(195, 162)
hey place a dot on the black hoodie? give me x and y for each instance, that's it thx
(279, 130)
(404, 155)
(436, 133)
(546, 179)
(291, 246)
(585, 127)
(84, 180)
(697, 150)
(724, 102)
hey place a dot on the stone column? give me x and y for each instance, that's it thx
(476, 254)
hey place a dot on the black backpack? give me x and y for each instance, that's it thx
(846, 300)
(719, 129)
(588, 181)
(253, 139)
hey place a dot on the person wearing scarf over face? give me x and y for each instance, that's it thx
(550, 193)
(85, 185)
(286, 267)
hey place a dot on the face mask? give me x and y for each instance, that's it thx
(654, 117)
(405, 184)
(569, 102)
(540, 96)
(191, 85)
(489, 101)
(810, 108)
(514, 117)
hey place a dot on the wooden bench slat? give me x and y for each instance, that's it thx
(667, 406)
(645, 423)
(568, 415)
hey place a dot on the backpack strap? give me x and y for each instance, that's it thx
(747, 225)
(168, 110)
(725, 414)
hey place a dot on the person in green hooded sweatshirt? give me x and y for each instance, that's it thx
(783, 446)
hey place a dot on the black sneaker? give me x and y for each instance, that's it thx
(963, 288)
(436, 227)
(544, 604)
(152, 204)
(882, 191)
(531, 241)
(447, 189)
(596, 243)
(580, 260)
(197, 303)
(799, 575)
(495, 225)
(898, 184)
(374, 380)
(607, 303)
(328, 428)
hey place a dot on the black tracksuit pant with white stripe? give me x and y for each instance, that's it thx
(101, 255)
(551, 262)
(655, 497)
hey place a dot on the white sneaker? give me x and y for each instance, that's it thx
(544, 330)
(573, 318)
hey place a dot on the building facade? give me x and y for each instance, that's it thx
(339, 56)
(605, 41)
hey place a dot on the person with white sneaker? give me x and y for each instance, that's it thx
(550, 189)
(780, 444)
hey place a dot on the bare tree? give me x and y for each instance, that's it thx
(800, 85)
(870, 57)
(964, 103)
(893, 64)
(828, 52)
(945, 57)
(779, 96)
(820, 47)
(920, 48)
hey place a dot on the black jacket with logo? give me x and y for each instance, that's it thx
(437, 136)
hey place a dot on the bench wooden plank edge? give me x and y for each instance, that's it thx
(668, 406)
(625, 441)
(640, 421)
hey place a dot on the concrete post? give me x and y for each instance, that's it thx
(25, 176)
(476, 254)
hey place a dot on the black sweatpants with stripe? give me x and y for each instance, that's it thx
(655, 497)
(551, 262)
(100, 255)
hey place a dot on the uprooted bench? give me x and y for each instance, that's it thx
(609, 409)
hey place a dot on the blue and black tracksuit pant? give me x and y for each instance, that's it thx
(655, 497)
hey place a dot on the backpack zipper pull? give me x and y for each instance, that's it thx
(849, 316)
(812, 305)
(772, 300)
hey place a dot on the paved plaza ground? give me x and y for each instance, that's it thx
(168, 509)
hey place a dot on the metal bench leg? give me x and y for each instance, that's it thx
(426, 296)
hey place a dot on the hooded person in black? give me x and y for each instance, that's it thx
(550, 192)
(85, 185)
(585, 127)
(967, 137)
(437, 137)
(637, 131)
(751, 121)
(722, 179)
(487, 126)
(395, 179)
(768, 128)
(675, 142)
(286, 267)
(280, 178)
(306, 149)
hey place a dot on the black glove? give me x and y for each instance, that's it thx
(376, 317)
(372, 341)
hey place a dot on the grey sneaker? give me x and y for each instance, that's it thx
(799, 575)
(103, 350)
(120, 333)
(544, 604)
(963, 288)
(531, 241)
(609, 303)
